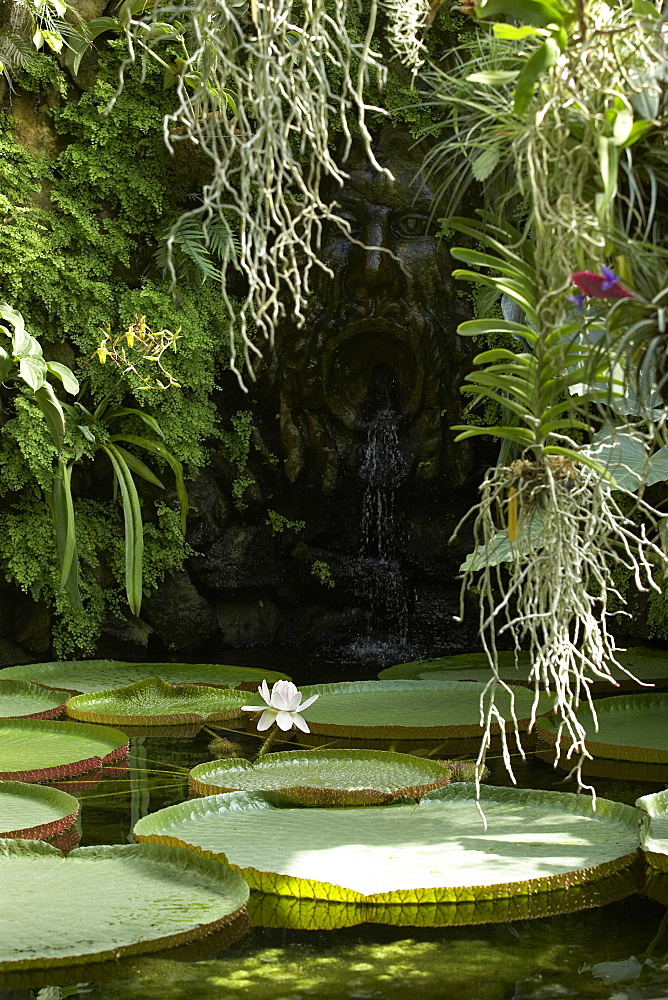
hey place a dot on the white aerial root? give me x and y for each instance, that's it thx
(552, 598)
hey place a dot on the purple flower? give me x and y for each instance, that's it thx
(579, 301)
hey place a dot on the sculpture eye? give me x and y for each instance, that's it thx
(412, 225)
(352, 220)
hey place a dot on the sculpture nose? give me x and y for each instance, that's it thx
(375, 270)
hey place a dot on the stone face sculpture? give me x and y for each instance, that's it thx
(382, 329)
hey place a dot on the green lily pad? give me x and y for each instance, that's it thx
(84, 676)
(154, 702)
(25, 700)
(654, 829)
(34, 811)
(461, 667)
(409, 710)
(648, 665)
(437, 851)
(101, 903)
(325, 777)
(270, 910)
(630, 728)
(32, 750)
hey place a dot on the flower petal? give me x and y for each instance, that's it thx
(284, 720)
(263, 690)
(253, 708)
(282, 694)
(267, 719)
(300, 723)
(309, 701)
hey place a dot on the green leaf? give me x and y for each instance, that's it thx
(36, 750)
(14, 318)
(485, 162)
(608, 158)
(102, 675)
(645, 9)
(136, 465)
(623, 124)
(26, 700)
(146, 417)
(493, 78)
(372, 855)
(34, 811)
(100, 903)
(134, 528)
(49, 404)
(539, 63)
(638, 130)
(65, 528)
(33, 371)
(63, 373)
(501, 549)
(154, 702)
(173, 463)
(519, 435)
(477, 327)
(511, 33)
(540, 13)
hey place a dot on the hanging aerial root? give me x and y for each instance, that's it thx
(552, 597)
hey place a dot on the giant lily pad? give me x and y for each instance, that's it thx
(648, 665)
(100, 903)
(437, 851)
(33, 811)
(154, 702)
(25, 700)
(408, 710)
(325, 777)
(83, 676)
(32, 750)
(654, 829)
(266, 909)
(631, 728)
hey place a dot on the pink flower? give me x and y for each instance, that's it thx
(599, 286)
(283, 706)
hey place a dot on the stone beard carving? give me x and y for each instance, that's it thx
(380, 333)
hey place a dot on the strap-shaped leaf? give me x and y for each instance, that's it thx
(137, 466)
(64, 525)
(134, 528)
(50, 406)
(177, 468)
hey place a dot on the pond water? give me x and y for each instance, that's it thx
(583, 954)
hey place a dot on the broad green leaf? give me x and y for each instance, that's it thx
(485, 162)
(50, 406)
(608, 159)
(154, 702)
(325, 777)
(511, 33)
(501, 549)
(434, 852)
(388, 710)
(101, 675)
(493, 78)
(536, 66)
(33, 371)
(24, 699)
(621, 129)
(623, 456)
(540, 13)
(6, 363)
(638, 130)
(14, 318)
(645, 9)
(100, 903)
(32, 750)
(79, 42)
(654, 834)
(62, 372)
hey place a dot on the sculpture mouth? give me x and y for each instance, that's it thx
(369, 368)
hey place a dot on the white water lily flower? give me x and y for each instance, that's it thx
(284, 705)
